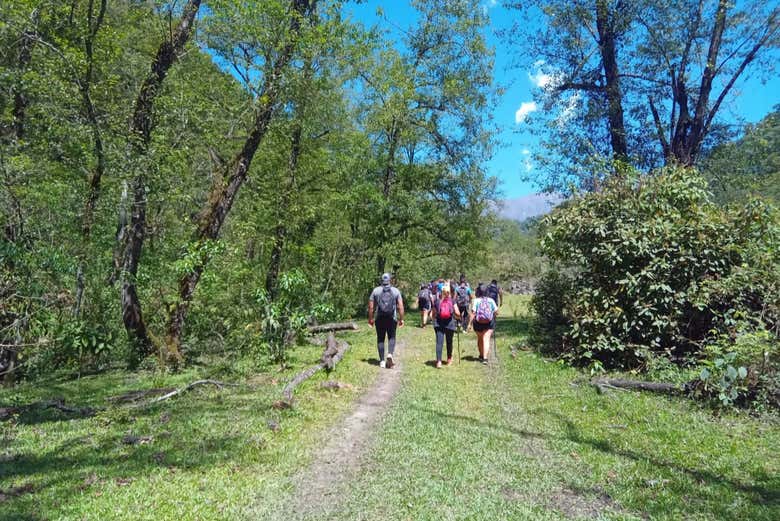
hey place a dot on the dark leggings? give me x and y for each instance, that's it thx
(385, 326)
(464, 318)
(441, 334)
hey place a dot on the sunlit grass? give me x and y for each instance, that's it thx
(513, 440)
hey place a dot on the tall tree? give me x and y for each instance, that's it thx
(711, 43)
(141, 127)
(425, 108)
(227, 183)
(641, 77)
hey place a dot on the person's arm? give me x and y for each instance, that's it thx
(371, 311)
(456, 309)
(400, 303)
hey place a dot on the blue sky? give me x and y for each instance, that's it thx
(751, 100)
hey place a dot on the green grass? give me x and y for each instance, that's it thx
(212, 454)
(514, 440)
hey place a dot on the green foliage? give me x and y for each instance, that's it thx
(654, 266)
(511, 253)
(285, 318)
(749, 166)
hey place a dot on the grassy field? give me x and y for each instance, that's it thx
(512, 440)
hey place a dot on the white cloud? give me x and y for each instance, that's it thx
(526, 151)
(541, 79)
(569, 110)
(526, 108)
(521, 208)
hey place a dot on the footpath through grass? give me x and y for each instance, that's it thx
(513, 440)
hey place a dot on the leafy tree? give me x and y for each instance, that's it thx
(749, 166)
(637, 81)
(424, 108)
(652, 267)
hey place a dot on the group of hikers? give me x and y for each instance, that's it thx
(450, 306)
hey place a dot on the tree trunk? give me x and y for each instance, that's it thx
(280, 232)
(608, 48)
(140, 136)
(223, 195)
(26, 43)
(336, 326)
(690, 131)
(97, 144)
(387, 186)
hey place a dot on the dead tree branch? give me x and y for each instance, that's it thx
(167, 396)
(333, 353)
(337, 326)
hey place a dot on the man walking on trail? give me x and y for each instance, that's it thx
(495, 292)
(386, 311)
(424, 304)
(463, 297)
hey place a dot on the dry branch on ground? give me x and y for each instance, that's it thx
(333, 353)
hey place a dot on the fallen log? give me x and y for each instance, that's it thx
(333, 353)
(655, 387)
(134, 396)
(337, 326)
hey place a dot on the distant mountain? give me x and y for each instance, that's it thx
(526, 206)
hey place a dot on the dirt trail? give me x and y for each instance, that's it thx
(317, 487)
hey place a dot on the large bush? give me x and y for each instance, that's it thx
(651, 266)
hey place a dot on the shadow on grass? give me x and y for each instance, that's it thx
(762, 495)
(39, 413)
(371, 361)
(197, 433)
(513, 326)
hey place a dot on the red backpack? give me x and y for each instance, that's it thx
(445, 309)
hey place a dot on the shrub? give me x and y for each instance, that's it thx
(657, 267)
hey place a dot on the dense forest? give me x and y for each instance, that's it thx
(198, 198)
(180, 178)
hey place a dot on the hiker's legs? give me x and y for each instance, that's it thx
(385, 326)
(486, 342)
(380, 339)
(448, 334)
(464, 319)
(391, 337)
(480, 341)
(439, 343)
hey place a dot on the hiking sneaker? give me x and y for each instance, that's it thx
(438, 364)
(484, 361)
(449, 361)
(390, 362)
(382, 364)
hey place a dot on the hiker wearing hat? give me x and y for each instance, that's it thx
(386, 311)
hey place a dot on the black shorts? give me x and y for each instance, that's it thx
(484, 327)
(424, 304)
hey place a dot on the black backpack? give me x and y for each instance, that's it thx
(462, 297)
(492, 292)
(386, 303)
(424, 294)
